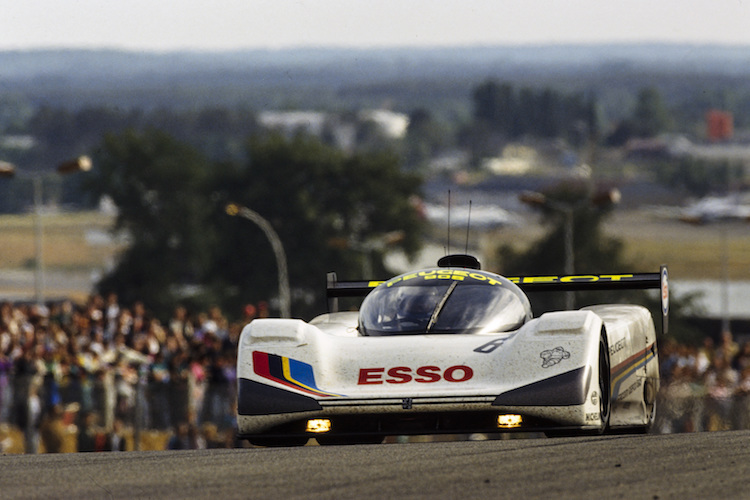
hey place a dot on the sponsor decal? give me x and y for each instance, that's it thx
(422, 375)
(448, 274)
(584, 278)
(493, 344)
(622, 371)
(617, 347)
(630, 390)
(551, 357)
(594, 398)
(288, 372)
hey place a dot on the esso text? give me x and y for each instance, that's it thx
(422, 375)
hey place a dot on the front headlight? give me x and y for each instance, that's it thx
(318, 425)
(509, 421)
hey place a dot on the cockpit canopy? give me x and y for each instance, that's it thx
(444, 300)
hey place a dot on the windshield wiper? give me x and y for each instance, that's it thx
(439, 307)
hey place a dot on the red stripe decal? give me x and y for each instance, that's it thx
(262, 367)
(632, 359)
(260, 363)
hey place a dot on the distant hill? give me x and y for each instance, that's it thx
(347, 78)
(369, 63)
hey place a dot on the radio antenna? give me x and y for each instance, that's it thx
(468, 226)
(449, 223)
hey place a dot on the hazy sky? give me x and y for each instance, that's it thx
(232, 24)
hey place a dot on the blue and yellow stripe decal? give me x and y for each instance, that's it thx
(630, 366)
(288, 372)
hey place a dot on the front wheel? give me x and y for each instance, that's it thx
(604, 395)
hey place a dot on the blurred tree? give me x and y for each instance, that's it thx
(158, 186)
(700, 177)
(54, 127)
(552, 116)
(424, 139)
(370, 137)
(651, 117)
(333, 212)
(494, 103)
(544, 113)
(622, 133)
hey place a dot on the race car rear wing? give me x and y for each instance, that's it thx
(564, 283)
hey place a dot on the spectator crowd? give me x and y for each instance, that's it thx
(704, 388)
(104, 368)
(109, 371)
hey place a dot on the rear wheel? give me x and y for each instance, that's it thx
(649, 399)
(649, 405)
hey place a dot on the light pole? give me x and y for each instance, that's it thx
(278, 249)
(80, 164)
(567, 209)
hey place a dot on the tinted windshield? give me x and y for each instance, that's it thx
(442, 307)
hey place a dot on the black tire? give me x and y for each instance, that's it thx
(346, 440)
(649, 400)
(605, 403)
(649, 403)
(605, 388)
(278, 442)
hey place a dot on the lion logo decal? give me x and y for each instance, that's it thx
(551, 357)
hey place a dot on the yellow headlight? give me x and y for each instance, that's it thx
(318, 425)
(509, 421)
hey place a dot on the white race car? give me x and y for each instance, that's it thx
(451, 349)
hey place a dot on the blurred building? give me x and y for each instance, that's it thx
(391, 124)
(341, 130)
(719, 125)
